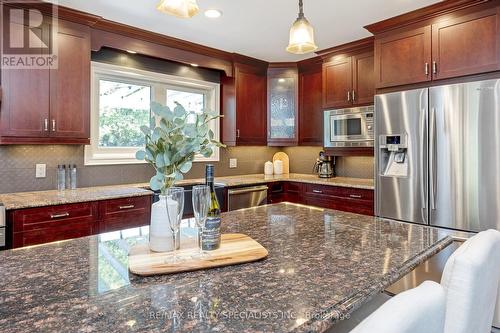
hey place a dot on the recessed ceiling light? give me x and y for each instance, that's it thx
(194, 65)
(131, 52)
(213, 13)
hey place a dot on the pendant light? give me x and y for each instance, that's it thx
(301, 35)
(179, 8)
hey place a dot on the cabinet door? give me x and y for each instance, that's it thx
(466, 45)
(25, 103)
(282, 107)
(403, 58)
(70, 83)
(251, 112)
(363, 79)
(337, 83)
(25, 96)
(310, 108)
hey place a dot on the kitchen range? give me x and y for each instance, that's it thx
(176, 167)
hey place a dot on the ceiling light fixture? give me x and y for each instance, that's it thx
(179, 8)
(213, 13)
(301, 35)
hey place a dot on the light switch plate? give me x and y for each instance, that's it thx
(41, 171)
(233, 163)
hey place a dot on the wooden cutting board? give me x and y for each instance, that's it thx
(234, 249)
(283, 157)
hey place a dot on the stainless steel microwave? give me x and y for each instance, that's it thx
(351, 127)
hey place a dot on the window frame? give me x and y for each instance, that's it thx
(158, 83)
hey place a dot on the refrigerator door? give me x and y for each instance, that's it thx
(464, 156)
(401, 192)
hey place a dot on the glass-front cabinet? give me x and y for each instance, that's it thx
(282, 106)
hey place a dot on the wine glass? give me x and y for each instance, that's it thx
(175, 210)
(201, 204)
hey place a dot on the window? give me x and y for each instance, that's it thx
(121, 99)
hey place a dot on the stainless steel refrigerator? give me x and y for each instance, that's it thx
(438, 155)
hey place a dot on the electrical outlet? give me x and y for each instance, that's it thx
(233, 163)
(41, 171)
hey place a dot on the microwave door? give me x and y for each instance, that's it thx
(346, 127)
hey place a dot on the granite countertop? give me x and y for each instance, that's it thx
(322, 265)
(49, 198)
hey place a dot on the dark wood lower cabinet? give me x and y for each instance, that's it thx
(346, 199)
(34, 226)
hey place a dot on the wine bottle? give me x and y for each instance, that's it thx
(211, 232)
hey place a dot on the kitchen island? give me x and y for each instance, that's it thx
(322, 265)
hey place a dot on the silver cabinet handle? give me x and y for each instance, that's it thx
(434, 67)
(46, 125)
(426, 69)
(355, 196)
(317, 191)
(127, 207)
(237, 133)
(58, 216)
(348, 96)
(353, 95)
(53, 125)
(432, 143)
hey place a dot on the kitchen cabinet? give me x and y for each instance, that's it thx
(466, 45)
(348, 81)
(310, 104)
(282, 106)
(403, 58)
(54, 223)
(119, 214)
(70, 83)
(337, 83)
(40, 225)
(244, 100)
(447, 48)
(50, 105)
(354, 200)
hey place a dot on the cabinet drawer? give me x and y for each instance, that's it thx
(338, 191)
(294, 188)
(53, 234)
(364, 207)
(124, 213)
(52, 216)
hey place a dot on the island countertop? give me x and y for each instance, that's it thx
(322, 265)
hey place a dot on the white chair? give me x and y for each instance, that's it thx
(418, 310)
(470, 280)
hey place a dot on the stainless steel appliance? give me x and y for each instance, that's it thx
(324, 166)
(438, 155)
(351, 127)
(2, 225)
(246, 197)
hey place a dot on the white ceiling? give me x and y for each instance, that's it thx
(256, 28)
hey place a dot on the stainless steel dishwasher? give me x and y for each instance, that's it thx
(246, 197)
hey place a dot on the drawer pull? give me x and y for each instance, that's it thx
(317, 191)
(355, 196)
(127, 207)
(58, 216)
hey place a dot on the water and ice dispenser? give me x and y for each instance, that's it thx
(393, 155)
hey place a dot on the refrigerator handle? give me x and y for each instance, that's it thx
(432, 167)
(423, 152)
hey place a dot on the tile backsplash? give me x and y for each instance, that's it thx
(17, 166)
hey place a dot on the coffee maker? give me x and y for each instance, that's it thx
(325, 166)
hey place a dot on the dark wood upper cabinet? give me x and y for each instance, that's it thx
(466, 45)
(403, 58)
(337, 83)
(70, 83)
(363, 79)
(282, 105)
(310, 106)
(50, 106)
(244, 101)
